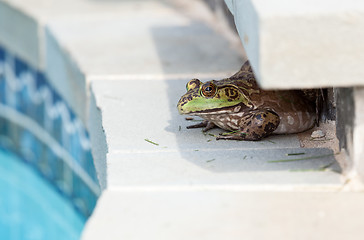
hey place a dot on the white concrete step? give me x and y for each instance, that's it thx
(302, 43)
(179, 188)
(218, 215)
(187, 156)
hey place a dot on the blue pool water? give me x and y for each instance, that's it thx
(48, 181)
(30, 207)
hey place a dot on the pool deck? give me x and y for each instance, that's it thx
(130, 61)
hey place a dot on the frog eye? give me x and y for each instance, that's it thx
(194, 83)
(208, 89)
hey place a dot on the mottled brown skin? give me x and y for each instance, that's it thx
(254, 125)
(238, 105)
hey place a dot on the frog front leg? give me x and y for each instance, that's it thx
(254, 125)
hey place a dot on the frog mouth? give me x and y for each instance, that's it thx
(230, 109)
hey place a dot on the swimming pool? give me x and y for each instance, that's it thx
(31, 208)
(48, 182)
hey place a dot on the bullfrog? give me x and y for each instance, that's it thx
(238, 105)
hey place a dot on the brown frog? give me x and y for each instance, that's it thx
(238, 105)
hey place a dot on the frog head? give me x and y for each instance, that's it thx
(211, 97)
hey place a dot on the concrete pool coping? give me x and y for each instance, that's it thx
(124, 83)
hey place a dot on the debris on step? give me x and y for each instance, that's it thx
(318, 134)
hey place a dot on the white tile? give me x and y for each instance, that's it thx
(21, 34)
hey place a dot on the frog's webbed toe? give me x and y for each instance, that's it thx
(207, 125)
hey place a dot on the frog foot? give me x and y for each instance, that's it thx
(236, 135)
(254, 126)
(207, 125)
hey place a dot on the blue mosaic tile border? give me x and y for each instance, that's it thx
(40, 127)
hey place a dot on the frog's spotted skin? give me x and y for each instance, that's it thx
(254, 125)
(239, 106)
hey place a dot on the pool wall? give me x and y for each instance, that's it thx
(46, 104)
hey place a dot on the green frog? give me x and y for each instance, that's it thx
(247, 112)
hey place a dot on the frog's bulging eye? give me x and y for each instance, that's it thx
(208, 89)
(194, 83)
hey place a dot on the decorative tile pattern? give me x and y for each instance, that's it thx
(39, 126)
